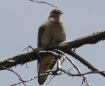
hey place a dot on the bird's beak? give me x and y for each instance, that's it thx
(61, 13)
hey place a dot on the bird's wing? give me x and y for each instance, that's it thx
(40, 34)
(45, 63)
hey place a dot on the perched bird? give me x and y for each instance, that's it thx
(50, 32)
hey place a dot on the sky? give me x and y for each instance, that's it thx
(19, 23)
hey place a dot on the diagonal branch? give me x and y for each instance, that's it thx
(79, 71)
(64, 46)
(86, 63)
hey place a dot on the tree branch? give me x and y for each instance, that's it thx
(64, 46)
(43, 2)
(86, 63)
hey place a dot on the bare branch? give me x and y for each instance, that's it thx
(44, 3)
(18, 76)
(25, 81)
(19, 59)
(64, 46)
(90, 72)
(79, 71)
(86, 63)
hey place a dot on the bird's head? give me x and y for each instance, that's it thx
(55, 13)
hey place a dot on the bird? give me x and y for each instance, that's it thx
(50, 32)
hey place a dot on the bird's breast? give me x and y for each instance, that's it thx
(54, 32)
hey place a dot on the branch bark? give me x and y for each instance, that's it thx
(64, 46)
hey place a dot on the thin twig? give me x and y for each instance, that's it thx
(79, 71)
(44, 3)
(17, 75)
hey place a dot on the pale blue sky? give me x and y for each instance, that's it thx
(19, 23)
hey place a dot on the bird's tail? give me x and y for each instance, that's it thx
(45, 64)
